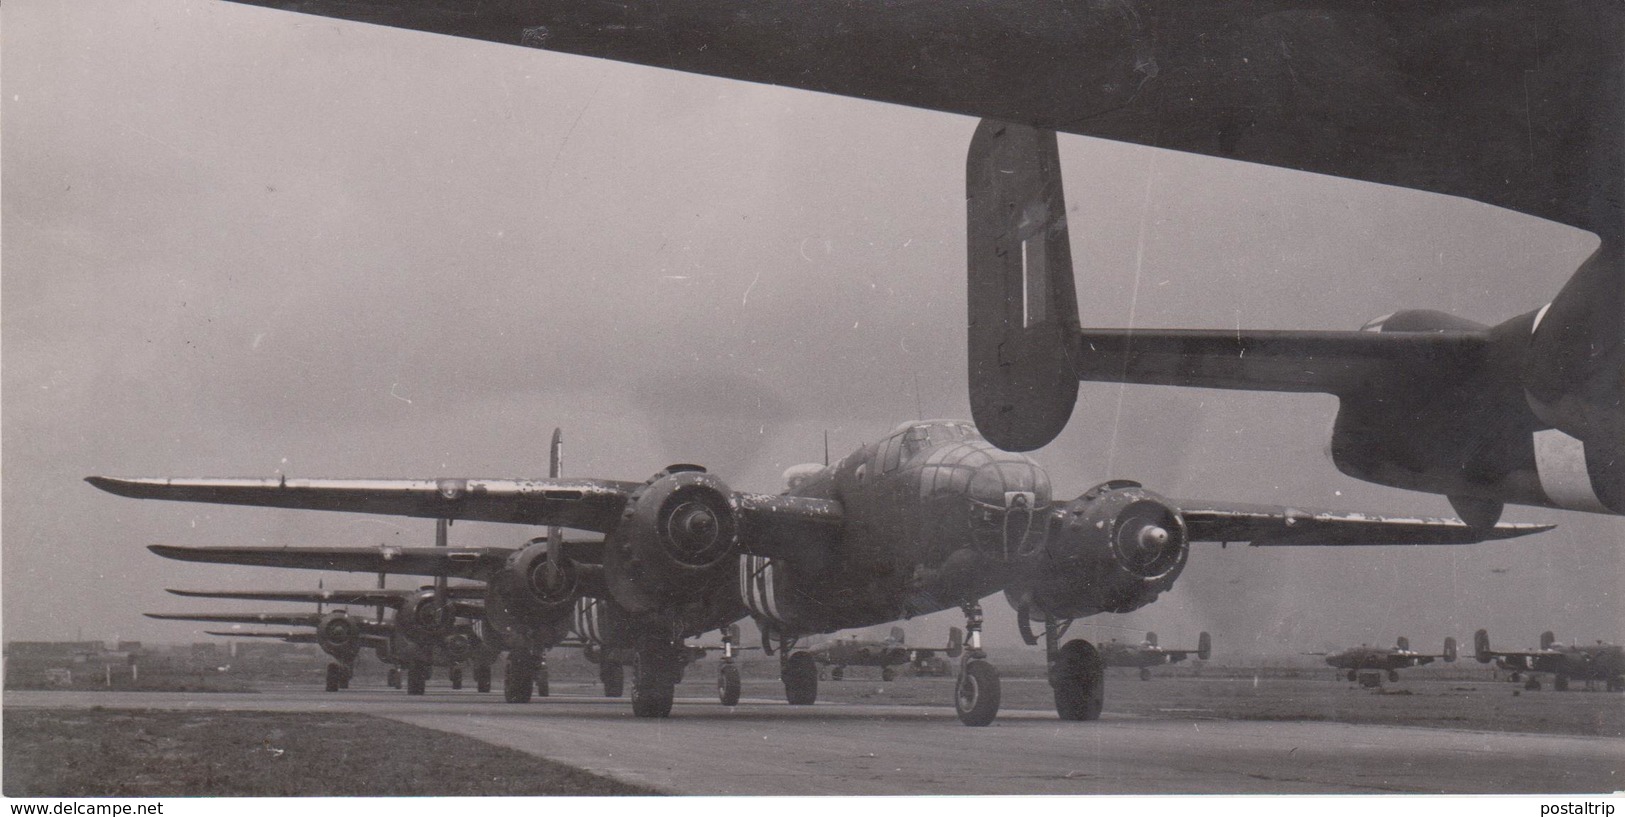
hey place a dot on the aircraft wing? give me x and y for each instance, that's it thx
(365, 598)
(465, 563)
(583, 504)
(274, 619)
(771, 524)
(1269, 525)
(1285, 360)
(290, 637)
(1390, 91)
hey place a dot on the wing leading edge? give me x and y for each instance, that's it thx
(1271, 526)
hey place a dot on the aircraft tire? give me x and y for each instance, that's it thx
(455, 674)
(613, 676)
(800, 679)
(837, 674)
(394, 679)
(333, 673)
(517, 681)
(417, 679)
(888, 674)
(1616, 684)
(1145, 673)
(976, 693)
(1078, 676)
(654, 683)
(482, 677)
(728, 686)
(1393, 676)
(543, 686)
(345, 674)
(1560, 683)
(1533, 684)
(1353, 675)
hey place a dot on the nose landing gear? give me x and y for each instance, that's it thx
(976, 690)
(728, 686)
(1077, 674)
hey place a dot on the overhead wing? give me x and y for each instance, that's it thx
(466, 563)
(1270, 525)
(584, 504)
(1514, 104)
(366, 598)
(1290, 361)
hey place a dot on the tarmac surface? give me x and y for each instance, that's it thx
(767, 747)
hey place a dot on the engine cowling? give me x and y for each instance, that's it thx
(461, 644)
(677, 530)
(529, 602)
(1112, 550)
(424, 620)
(338, 634)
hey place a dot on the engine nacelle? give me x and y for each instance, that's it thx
(1112, 550)
(425, 621)
(339, 635)
(529, 603)
(461, 644)
(679, 529)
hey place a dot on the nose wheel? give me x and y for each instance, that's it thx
(728, 685)
(1077, 673)
(976, 690)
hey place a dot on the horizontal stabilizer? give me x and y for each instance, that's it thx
(1282, 360)
(1268, 525)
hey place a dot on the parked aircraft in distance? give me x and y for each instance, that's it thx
(887, 654)
(425, 630)
(1147, 654)
(930, 518)
(1389, 659)
(1589, 663)
(1527, 412)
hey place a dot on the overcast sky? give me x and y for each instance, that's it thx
(240, 242)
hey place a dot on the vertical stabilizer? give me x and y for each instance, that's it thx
(1023, 306)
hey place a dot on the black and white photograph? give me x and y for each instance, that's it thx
(813, 398)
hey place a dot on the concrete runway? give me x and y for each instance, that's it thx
(767, 747)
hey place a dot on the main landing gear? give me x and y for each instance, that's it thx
(394, 678)
(799, 673)
(338, 676)
(455, 675)
(613, 676)
(482, 677)
(1077, 674)
(976, 691)
(518, 677)
(658, 668)
(417, 677)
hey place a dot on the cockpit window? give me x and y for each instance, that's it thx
(890, 452)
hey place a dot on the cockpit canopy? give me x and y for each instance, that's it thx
(909, 439)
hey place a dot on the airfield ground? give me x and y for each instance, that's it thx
(1168, 735)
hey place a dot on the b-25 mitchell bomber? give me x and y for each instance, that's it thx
(427, 628)
(1588, 663)
(1385, 659)
(1510, 103)
(1147, 654)
(930, 518)
(887, 654)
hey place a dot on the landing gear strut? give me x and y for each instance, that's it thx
(1077, 674)
(543, 687)
(728, 686)
(976, 691)
(335, 677)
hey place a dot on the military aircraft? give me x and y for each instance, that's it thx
(1514, 104)
(1595, 662)
(932, 517)
(1389, 659)
(887, 654)
(1147, 654)
(426, 629)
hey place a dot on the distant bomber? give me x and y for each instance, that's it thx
(1596, 662)
(840, 653)
(1147, 654)
(1393, 659)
